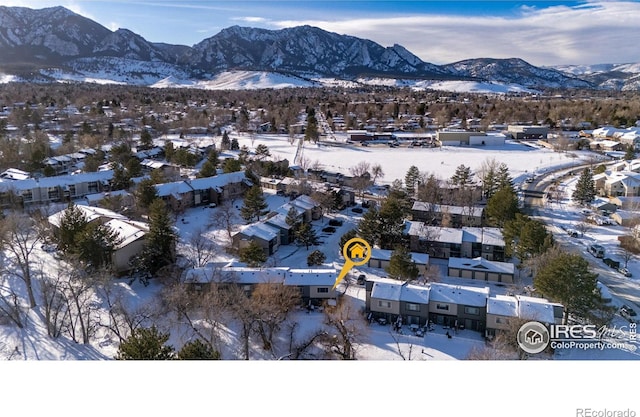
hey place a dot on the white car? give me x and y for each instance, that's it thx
(625, 272)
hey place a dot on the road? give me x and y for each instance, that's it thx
(623, 288)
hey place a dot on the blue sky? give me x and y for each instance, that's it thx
(541, 32)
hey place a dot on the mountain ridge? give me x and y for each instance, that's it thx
(70, 44)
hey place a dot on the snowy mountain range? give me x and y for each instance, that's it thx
(55, 44)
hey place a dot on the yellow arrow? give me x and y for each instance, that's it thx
(356, 252)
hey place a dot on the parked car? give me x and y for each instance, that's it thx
(361, 279)
(611, 263)
(329, 229)
(357, 210)
(335, 222)
(628, 313)
(625, 272)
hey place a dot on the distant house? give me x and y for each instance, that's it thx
(458, 306)
(279, 221)
(445, 215)
(389, 299)
(267, 236)
(315, 285)
(130, 234)
(63, 188)
(626, 218)
(201, 191)
(380, 258)
(481, 269)
(447, 242)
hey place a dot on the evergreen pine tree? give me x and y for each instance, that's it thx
(316, 258)
(292, 219)
(630, 153)
(565, 278)
(146, 192)
(231, 165)
(254, 204)
(253, 255)
(369, 227)
(95, 244)
(160, 242)
(502, 206)
(411, 180)
(462, 176)
(146, 142)
(225, 144)
(306, 235)
(235, 146)
(197, 350)
(585, 190)
(401, 266)
(73, 221)
(503, 178)
(145, 344)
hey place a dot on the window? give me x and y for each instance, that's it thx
(384, 304)
(442, 307)
(323, 290)
(27, 195)
(93, 187)
(413, 307)
(472, 310)
(502, 320)
(52, 193)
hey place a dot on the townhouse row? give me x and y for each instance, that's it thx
(455, 306)
(315, 285)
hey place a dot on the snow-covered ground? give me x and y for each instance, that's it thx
(437, 361)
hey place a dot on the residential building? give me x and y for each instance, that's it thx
(380, 258)
(481, 269)
(446, 215)
(447, 242)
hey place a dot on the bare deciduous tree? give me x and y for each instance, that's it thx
(345, 329)
(19, 237)
(199, 250)
(226, 216)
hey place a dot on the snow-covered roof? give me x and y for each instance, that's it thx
(311, 277)
(92, 198)
(217, 181)
(480, 263)
(538, 309)
(417, 294)
(175, 189)
(502, 305)
(245, 275)
(91, 213)
(14, 174)
(279, 220)
(434, 233)
(128, 231)
(386, 291)
(58, 181)
(441, 208)
(485, 235)
(261, 230)
(456, 294)
(385, 255)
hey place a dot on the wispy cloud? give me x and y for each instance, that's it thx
(250, 19)
(590, 33)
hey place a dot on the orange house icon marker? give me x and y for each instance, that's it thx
(357, 251)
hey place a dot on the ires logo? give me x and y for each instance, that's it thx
(534, 337)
